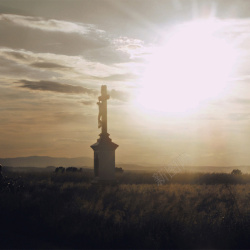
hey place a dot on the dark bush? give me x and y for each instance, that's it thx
(119, 170)
(236, 172)
(71, 169)
(60, 170)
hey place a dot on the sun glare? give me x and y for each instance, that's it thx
(192, 66)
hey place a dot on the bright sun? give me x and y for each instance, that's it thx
(192, 66)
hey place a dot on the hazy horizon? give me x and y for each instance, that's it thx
(177, 73)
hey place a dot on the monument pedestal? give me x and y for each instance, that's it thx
(104, 159)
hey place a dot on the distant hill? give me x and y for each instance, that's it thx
(87, 162)
(45, 161)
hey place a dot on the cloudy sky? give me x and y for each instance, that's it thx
(178, 73)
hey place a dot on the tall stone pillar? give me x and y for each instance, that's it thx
(104, 148)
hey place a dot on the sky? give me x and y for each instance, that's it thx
(177, 73)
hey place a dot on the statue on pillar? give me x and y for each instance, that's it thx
(99, 114)
(102, 104)
(104, 148)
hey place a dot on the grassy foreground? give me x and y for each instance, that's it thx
(66, 211)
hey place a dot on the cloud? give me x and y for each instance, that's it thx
(88, 102)
(119, 95)
(76, 66)
(133, 47)
(47, 65)
(55, 87)
(49, 24)
(119, 77)
(11, 69)
(16, 54)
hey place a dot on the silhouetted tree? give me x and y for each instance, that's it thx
(236, 172)
(71, 169)
(119, 170)
(60, 170)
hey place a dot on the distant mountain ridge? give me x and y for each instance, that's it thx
(45, 161)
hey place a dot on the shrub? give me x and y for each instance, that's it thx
(60, 170)
(71, 169)
(236, 172)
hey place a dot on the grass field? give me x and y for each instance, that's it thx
(48, 210)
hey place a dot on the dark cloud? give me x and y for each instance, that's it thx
(12, 69)
(47, 65)
(17, 55)
(55, 87)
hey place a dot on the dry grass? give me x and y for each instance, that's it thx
(66, 211)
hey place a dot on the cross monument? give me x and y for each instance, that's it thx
(104, 148)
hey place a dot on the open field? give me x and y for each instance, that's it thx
(48, 210)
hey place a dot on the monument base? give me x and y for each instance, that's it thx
(104, 159)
